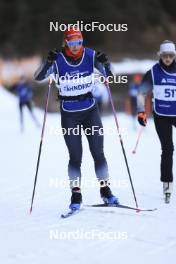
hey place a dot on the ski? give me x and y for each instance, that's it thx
(123, 206)
(70, 213)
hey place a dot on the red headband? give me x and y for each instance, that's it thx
(72, 33)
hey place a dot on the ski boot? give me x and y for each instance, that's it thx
(106, 194)
(167, 190)
(76, 199)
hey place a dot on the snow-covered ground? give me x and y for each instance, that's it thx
(95, 235)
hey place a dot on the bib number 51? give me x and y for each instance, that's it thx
(170, 92)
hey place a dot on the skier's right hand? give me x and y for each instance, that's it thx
(52, 55)
(142, 118)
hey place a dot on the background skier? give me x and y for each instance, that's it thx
(132, 93)
(162, 80)
(24, 93)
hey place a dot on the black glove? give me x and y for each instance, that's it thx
(102, 57)
(52, 55)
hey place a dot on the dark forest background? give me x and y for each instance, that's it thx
(25, 32)
(25, 25)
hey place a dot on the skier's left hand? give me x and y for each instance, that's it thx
(142, 118)
(102, 57)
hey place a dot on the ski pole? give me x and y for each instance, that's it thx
(137, 141)
(121, 140)
(41, 141)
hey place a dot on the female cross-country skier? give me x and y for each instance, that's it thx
(162, 80)
(74, 67)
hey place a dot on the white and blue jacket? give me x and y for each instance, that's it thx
(73, 79)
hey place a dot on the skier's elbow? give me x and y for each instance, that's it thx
(42, 72)
(38, 77)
